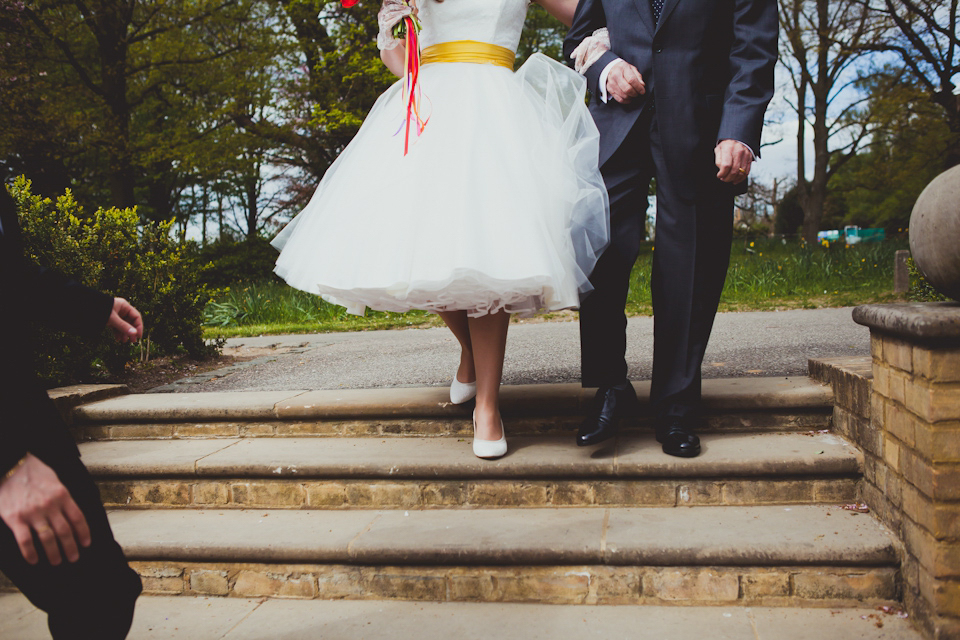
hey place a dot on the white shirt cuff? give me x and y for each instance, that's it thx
(603, 79)
(744, 145)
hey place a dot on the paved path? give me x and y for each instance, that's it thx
(774, 343)
(240, 619)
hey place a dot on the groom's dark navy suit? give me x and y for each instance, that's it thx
(93, 597)
(708, 70)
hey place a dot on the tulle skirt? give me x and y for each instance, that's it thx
(499, 204)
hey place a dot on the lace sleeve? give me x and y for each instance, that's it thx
(391, 13)
(590, 50)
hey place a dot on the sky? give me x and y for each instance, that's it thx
(779, 158)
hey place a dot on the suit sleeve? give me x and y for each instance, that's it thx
(56, 301)
(38, 296)
(32, 295)
(588, 18)
(14, 447)
(752, 59)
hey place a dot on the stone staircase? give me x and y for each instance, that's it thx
(375, 494)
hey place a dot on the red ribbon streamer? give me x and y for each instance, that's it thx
(411, 75)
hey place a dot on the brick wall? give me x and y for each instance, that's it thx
(902, 407)
(916, 401)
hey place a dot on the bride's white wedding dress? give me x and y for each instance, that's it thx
(499, 204)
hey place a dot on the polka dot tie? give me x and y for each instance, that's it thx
(657, 8)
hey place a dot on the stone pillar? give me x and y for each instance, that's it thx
(916, 410)
(901, 272)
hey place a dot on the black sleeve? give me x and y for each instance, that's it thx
(40, 295)
(56, 301)
(752, 60)
(31, 294)
(13, 448)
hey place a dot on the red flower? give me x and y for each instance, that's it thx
(349, 3)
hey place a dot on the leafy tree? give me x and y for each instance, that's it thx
(541, 33)
(329, 75)
(789, 216)
(136, 89)
(38, 130)
(230, 110)
(925, 34)
(908, 149)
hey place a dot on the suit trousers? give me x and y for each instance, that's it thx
(91, 598)
(690, 260)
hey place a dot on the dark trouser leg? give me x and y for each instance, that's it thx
(91, 598)
(693, 236)
(603, 322)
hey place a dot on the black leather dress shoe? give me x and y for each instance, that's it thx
(609, 407)
(678, 439)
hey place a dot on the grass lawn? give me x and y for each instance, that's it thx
(764, 275)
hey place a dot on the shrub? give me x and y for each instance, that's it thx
(109, 250)
(230, 262)
(789, 217)
(920, 289)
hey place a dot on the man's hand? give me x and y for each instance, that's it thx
(733, 160)
(624, 82)
(34, 500)
(125, 321)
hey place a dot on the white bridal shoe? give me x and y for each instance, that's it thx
(460, 392)
(489, 448)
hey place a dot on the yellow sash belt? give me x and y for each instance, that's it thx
(468, 51)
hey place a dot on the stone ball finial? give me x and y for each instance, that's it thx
(935, 233)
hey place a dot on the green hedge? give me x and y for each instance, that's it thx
(230, 262)
(920, 289)
(111, 251)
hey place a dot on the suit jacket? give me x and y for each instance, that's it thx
(32, 294)
(708, 65)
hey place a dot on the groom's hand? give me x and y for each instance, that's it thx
(733, 159)
(34, 503)
(125, 321)
(624, 82)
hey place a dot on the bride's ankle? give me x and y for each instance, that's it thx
(465, 372)
(489, 423)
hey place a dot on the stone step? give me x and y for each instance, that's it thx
(739, 404)
(738, 468)
(685, 555)
(257, 619)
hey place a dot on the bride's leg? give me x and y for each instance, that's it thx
(457, 323)
(488, 334)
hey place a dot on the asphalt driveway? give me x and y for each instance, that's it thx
(776, 343)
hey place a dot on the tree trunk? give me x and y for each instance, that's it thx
(220, 228)
(203, 214)
(951, 103)
(813, 194)
(111, 32)
(253, 212)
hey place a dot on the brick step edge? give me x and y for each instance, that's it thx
(817, 586)
(474, 494)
